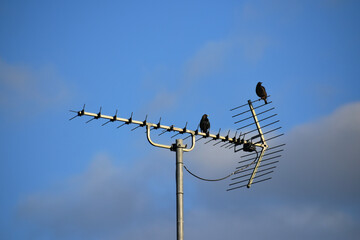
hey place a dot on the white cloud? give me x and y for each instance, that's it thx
(212, 56)
(24, 90)
(210, 59)
(207, 60)
(253, 48)
(104, 202)
(322, 160)
(162, 101)
(259, 222)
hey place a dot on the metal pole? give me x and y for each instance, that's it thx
(179, 189)
(179, 148)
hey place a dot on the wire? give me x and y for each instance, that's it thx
(209, 180)
(219, 179)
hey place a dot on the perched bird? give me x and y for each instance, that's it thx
(261, 92)
(205, 124)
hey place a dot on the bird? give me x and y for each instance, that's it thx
(205, 124)
(261, 92)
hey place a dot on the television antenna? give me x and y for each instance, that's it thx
(248, 145)
(261, 165)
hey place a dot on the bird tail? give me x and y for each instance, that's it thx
(264, 98)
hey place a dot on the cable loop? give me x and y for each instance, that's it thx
(223, 178)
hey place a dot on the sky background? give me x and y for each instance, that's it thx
(63, 179)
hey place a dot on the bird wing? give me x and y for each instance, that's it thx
(260, 91)
(202, 125)
(263, 91)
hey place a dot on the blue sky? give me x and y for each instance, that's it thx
(71, 180)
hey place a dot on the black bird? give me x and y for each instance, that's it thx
(261, 92)
(205, 124)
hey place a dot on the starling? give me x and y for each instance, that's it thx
(205, 124)
(261, 92)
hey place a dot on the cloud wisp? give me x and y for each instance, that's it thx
(210, 59)
(23, 89)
